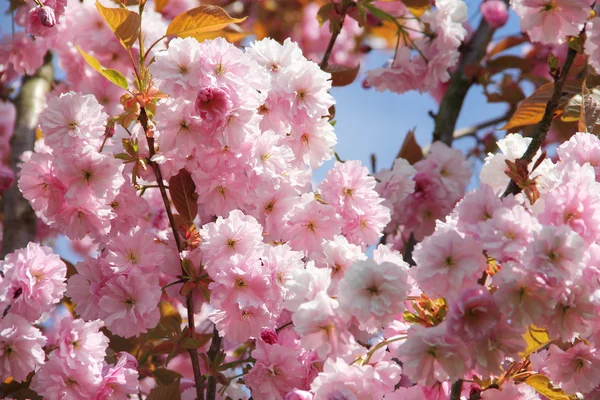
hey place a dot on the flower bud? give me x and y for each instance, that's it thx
(269, 336)
(495, 13)
(46, 16)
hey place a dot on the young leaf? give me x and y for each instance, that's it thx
(230, 36)
(590, 110)
(165, 376)
(542, 385)
(111, 74)
(410, 150)
(168, 392)
(531, 110)
(159, 5)
(182, 189)
(506, 44)
(200, 20)
(124, 23)
(341, 75)
(535, 338)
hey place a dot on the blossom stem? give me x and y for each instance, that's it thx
(543, 127)
(198, 377)
(471, 54)
(152, 45)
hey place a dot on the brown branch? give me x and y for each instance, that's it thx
(334, 34)
(471, 54)
(213, 351)
(472, 130)
(19, 218)
(538, 138)
(198, 377)
(456, 390)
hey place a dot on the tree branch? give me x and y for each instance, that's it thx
(19, 218)
(543, 127)
(451, 105)
(456, 390)
(215, 348)
(198, 377)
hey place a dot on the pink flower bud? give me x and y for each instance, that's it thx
(269, 336)
(213, 103)
(46, 16)
(495, 13)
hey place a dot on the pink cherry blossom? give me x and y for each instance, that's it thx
(79, 342)
(276, 372)
(446, 263)
(58, 380)
(119, 381)
(373, 292)
(129, 304)
(473, 314)
(34, 280)
(575, 369)
(550, 22)
(430, 355)
(20, 347)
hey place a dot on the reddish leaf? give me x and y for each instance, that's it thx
(341, 75)
(165, 376)
(182, 189)
(169, 392)
(531, 110)
(506, 43)
(410, 150)
(590, 111)
(505, 62)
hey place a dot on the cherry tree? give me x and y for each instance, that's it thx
(172, 145)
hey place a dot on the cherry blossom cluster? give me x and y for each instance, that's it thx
(422, 63)
(422, 193)
(68, 355)
(279, 267)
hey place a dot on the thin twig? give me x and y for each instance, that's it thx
(543, 127)
(213, 351)
(334, 34)
(198, 377)
(472, 130)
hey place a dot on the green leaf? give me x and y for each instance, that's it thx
(111, 74)
(188, 267)
(189, 343)
(323, 13)
(576, 43)
(379, 13)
